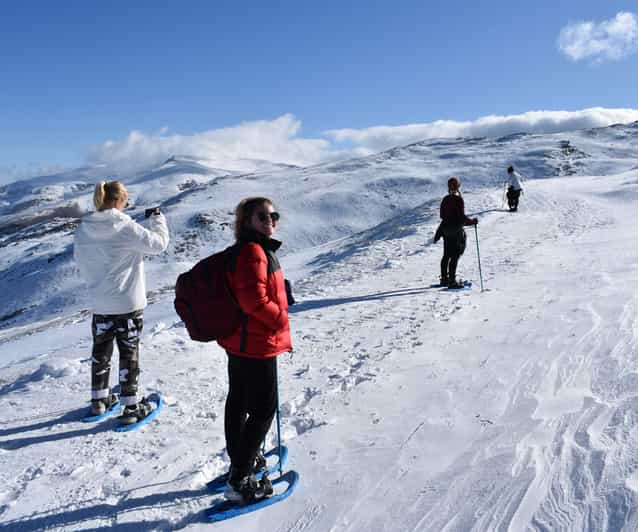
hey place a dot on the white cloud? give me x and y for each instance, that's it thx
(378, 138)
(278, 140)
(269, 140)
(607, 40)
(9, 174)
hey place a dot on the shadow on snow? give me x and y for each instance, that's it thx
(314, 304)
(68, 417)
(60, 518)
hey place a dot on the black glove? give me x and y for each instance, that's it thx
(291, 300)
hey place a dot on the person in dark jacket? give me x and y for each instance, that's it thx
(451, 229)
(257, 282)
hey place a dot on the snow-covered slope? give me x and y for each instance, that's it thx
(404, 407)
(319, 204)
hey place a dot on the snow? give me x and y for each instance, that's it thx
(404, 407)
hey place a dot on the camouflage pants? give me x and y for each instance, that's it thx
(125, 329)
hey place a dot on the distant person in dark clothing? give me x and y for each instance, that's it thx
(514, 188)
(451, 229)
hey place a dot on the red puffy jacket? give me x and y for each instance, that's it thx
(257, 281)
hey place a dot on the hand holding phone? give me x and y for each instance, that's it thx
(152, 210)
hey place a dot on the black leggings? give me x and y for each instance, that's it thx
(453, 248)
(125, 329)
(512, 197)
(250, 408)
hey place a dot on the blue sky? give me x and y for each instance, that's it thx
(76, 74)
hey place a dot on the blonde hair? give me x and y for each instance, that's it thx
(107, 193)
(244, 212)
(453, 185)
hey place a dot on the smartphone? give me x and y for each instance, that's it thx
(152, 210)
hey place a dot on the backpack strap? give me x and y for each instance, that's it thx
(231, 255)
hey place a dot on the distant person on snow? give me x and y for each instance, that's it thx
(451, 229)
(257, 282)
(514, 188)
(109, 249)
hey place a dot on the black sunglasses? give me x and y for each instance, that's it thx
(274, 216)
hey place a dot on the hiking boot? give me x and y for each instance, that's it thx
(246, 490)
(259, 465)
(134, 413)
(100, 406)
(260, 462)
(266, 485)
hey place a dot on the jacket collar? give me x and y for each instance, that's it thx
(250, 235)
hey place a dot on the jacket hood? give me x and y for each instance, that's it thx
(102, 224)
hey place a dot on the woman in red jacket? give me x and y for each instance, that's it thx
(453, 219)
(257, 281)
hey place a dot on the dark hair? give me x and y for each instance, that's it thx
(244, 212)
(453, 184)
(510, 169)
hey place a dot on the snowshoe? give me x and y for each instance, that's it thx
(107, 407)
(284, 487)
(247, 490)
(460, 285)
(218, 484)
(136, 416)
(135, 413)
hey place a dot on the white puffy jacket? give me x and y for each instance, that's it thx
(514, 180)
(109, 249)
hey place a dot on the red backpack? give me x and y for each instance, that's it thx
(204, 301)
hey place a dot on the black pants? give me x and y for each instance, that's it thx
(453, 248)
(512, 198)
(125, 329)
(250, 408)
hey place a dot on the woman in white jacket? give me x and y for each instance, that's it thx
(514, 188)
(109, 249)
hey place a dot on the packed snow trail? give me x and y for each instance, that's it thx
(403, 407)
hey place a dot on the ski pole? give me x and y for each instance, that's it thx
(478, 254)
(278, 418)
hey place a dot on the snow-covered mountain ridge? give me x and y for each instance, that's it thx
(319, 204)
